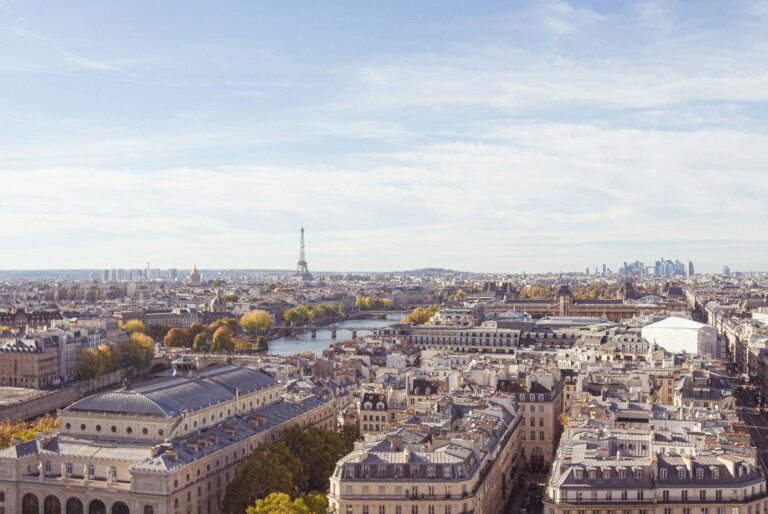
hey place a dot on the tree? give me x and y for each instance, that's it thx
(175, 338)
(281, 503)
(255, 322)
(89, 363)
(156, 331)
(231, 297)
(134, 325)
(26, 430)
(223, 340)
(138, 351)
(317, 451)
(271, 468)
(419, 316)
(201, 343)
(230, 323)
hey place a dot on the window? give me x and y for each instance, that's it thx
(684, 495)
(699, 473)
(606, 474)
(680, 472)
(665, 496)
(663, 474)
(703, 495)
(638, 473)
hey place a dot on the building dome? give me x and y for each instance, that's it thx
(194, 275)
(218, 304)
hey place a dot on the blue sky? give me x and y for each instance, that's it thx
(482, 136)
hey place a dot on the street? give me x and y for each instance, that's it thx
(528, 498)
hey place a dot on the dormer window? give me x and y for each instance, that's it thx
(638, 473)
(606, 474)
(622, 474)
(663, 474)
(578, 473)
(715, 473)
(681, 473)
(592, 474)
(699, 473)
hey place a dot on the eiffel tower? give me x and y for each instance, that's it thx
(302, 271)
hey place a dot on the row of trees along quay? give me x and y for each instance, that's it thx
(225, 335)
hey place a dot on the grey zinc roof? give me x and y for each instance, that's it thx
(168, 397)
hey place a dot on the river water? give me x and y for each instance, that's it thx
(305, 343)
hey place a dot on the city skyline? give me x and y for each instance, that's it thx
(537, 136)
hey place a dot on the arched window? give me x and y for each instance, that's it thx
(74, 506)
(30, 504)
(52, 505)
(97, 507)
(120, 508)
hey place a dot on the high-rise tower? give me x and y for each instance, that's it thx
(302, 271)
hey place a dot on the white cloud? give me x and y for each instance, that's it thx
(94, 65)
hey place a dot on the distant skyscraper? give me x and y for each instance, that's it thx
(689, 269)
(105, 275)
(605, 269)
(586, 272)
(173, 273)
(302, 271)
(726, 271)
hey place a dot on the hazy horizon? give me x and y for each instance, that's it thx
(524, 136)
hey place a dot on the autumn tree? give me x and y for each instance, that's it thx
(419, 316)
(201, 342)
(89, 363)
(281, 503)
(134, 325)
(174, 338)
(230, 323)
(255, 322)
(223, 340)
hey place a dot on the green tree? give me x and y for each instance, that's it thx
(255, 322)
(231, 297)
(156, 331)
(134, 325)
(317, 451)
(138, 351)
(271, 468)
